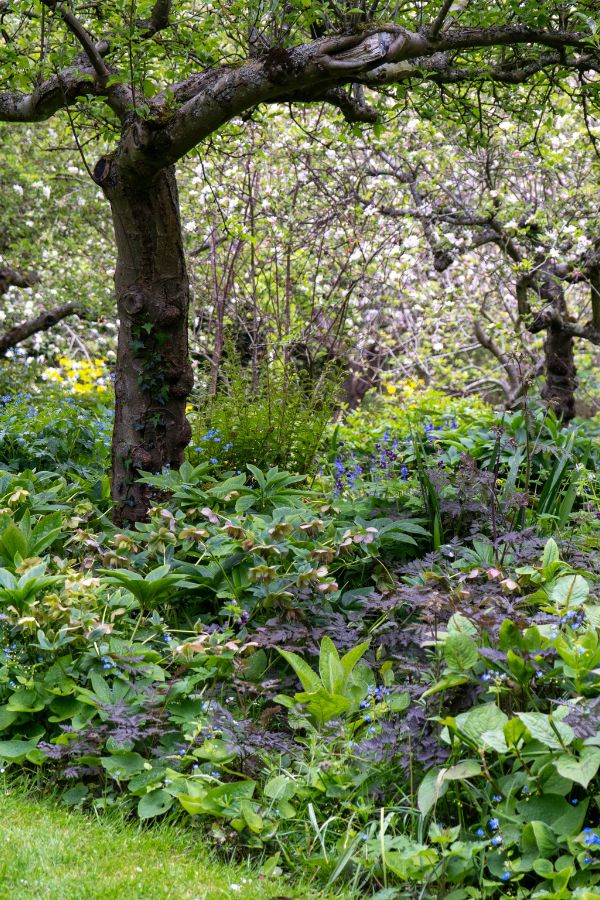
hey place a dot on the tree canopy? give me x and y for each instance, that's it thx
(150, 81)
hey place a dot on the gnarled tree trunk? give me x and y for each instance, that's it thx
(559, 356)
(561, 373)
(153, 374)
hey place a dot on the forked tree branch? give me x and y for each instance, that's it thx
(440, 19)
(118, 97)
(190, 111)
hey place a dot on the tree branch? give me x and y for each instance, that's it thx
(595, 296)
(207, 100)
(118, 97)
(77, 29)
(159, 18)
(13, 277)
(354, 109)
(440, 19)
(52, 95)
(43, 322)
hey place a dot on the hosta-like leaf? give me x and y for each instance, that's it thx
(309, 680)
(460, 652)
(350, 658)
(156, 803)
(16, 749)
(480, 719)
(569, 590)
(324, 706)
(330, 667)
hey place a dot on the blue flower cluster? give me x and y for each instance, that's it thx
(575, 618)
(493, 825)
(374, 695)
(381, 464)
(591, 839)
(213, 436)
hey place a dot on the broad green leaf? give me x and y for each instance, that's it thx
(551, 553)
(279, 788)
(460, 652)
(409, 864)
(460, 623)
(25, 700)
(350, 658)
(13, 541)
(309, 680)
(362, 678)
(252, 819)
(569, 590)
(480, 719)
(430, 790)
(543, 867)
(582, 769)
(101, 688)
(398, 702)
(16, 749)
(447, 681)
(330, 667)
(139, 784)
(123, 764)
(548, 808)
(322, 705)
(154, 804)
(215, 750)
(466, 768)
(549, 732)
(538, 835)
(7, 717)
(495, 739)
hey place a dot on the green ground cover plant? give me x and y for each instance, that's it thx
(365, 680)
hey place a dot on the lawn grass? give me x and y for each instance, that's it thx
(47, 851)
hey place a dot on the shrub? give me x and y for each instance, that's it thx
(277, 418)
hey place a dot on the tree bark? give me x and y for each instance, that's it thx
(153, 374)
(15, 278)
(559, 356)
(561, 381)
